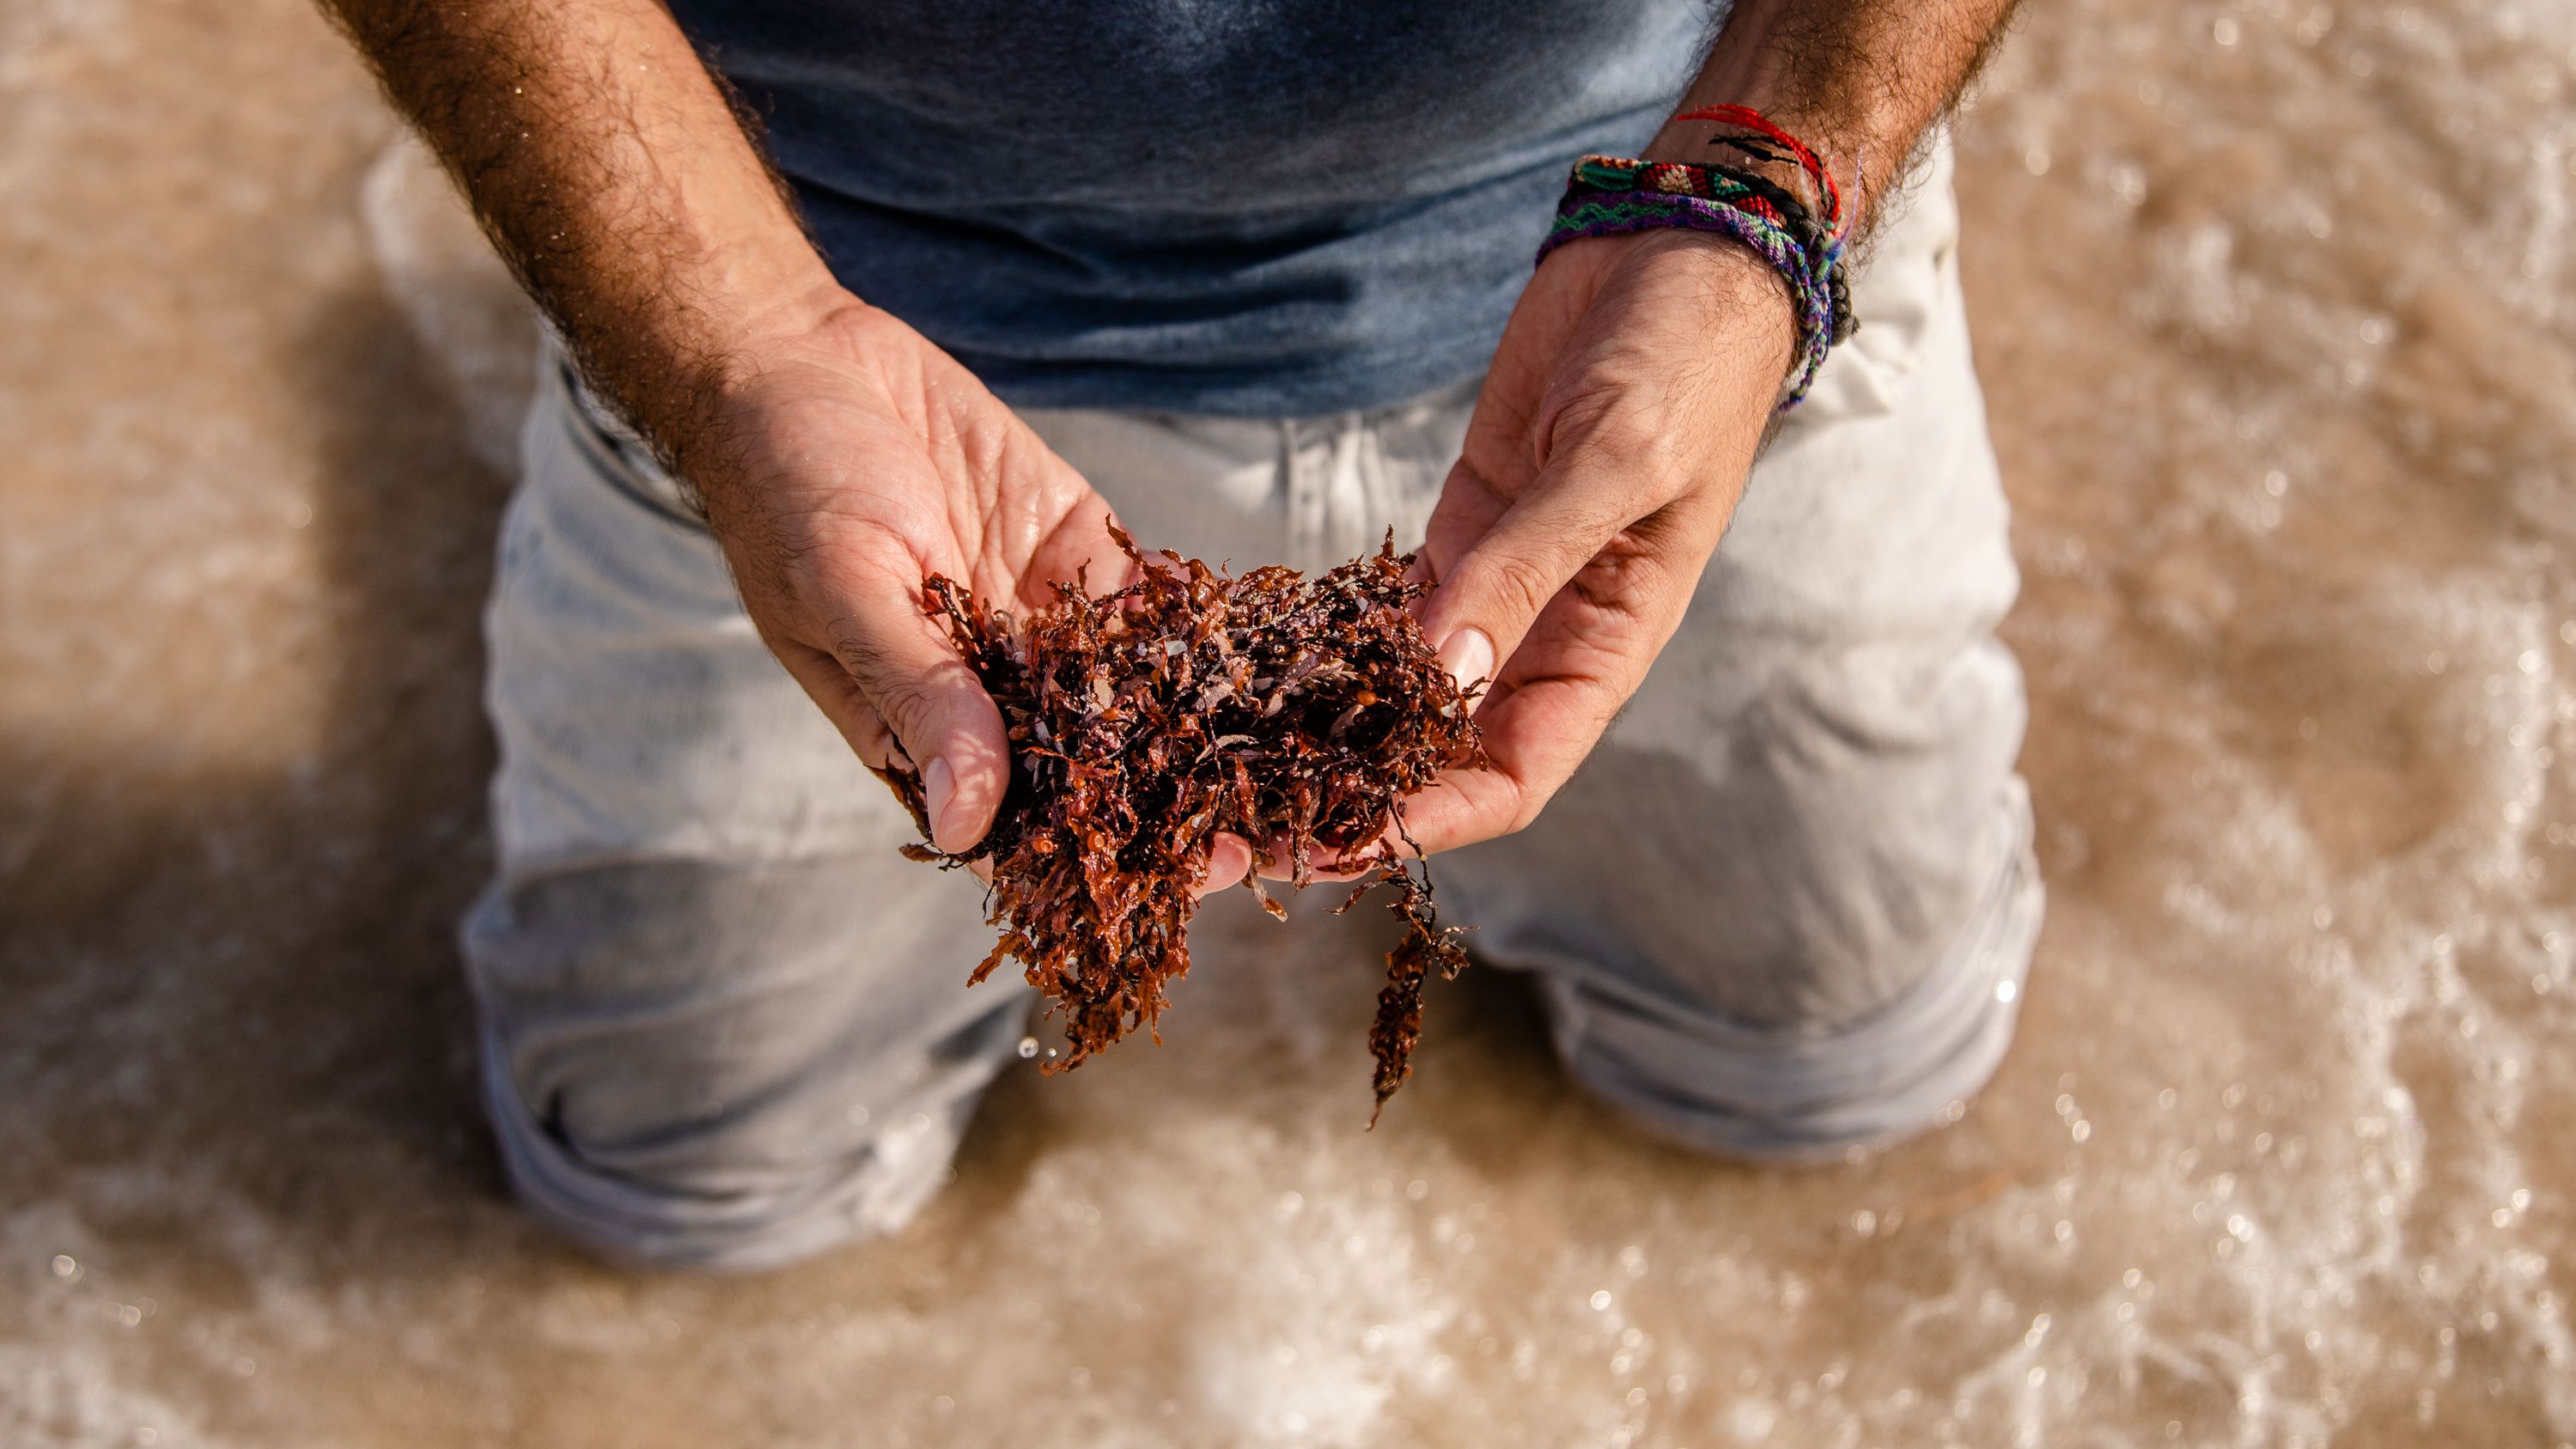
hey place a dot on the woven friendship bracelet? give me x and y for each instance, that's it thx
(1730, 185)
(1608, 195)
(1614, 212)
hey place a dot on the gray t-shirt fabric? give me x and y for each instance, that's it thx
(1248, 207)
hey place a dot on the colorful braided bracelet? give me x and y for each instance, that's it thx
(1608, 195)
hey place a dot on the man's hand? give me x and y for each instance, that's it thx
(1608, 449)
(1634, 384)
(848, 460)
(840, 455)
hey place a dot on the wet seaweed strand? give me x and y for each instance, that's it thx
(1143, 722)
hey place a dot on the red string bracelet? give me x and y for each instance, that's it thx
(1753, 120)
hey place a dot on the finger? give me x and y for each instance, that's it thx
(910, 678)
(1228, 862)
(1460, 808)
(846, 705)
(1332, 867)
(1490, 596)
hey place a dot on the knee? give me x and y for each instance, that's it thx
(1796, 1085)
(685, 1067)
(717, 1189)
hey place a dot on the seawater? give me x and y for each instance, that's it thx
(2277, 314)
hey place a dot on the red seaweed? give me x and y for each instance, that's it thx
(1294, 713)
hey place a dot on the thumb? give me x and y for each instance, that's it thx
(1489, 597)
(893, 683)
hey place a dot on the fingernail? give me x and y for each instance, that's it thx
(1468, 656)
(938, 788)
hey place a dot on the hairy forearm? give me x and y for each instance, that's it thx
(1860, 81)
(616, 179)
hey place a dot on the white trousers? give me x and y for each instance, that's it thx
(1786, 906)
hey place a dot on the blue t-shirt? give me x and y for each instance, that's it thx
(1264, 207)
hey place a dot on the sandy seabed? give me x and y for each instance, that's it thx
(2277, 310)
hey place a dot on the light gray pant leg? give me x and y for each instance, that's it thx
(723, 1024)
(1788, 903)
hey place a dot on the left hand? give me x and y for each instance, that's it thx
(1634, 384)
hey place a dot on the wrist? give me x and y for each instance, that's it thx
(781, 318)
(1745, 305)
(1800, 237)
(717, 382)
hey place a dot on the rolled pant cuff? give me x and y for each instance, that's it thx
(1720, 1085)
(738, 1228)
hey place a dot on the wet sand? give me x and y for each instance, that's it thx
(2277, 311)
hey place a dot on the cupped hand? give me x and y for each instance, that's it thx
(843, 462)
(1636, 380)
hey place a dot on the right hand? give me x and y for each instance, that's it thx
(847, 460)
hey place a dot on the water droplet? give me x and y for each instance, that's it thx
(1028, 1047)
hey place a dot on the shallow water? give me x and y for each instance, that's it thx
(2277, 309)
